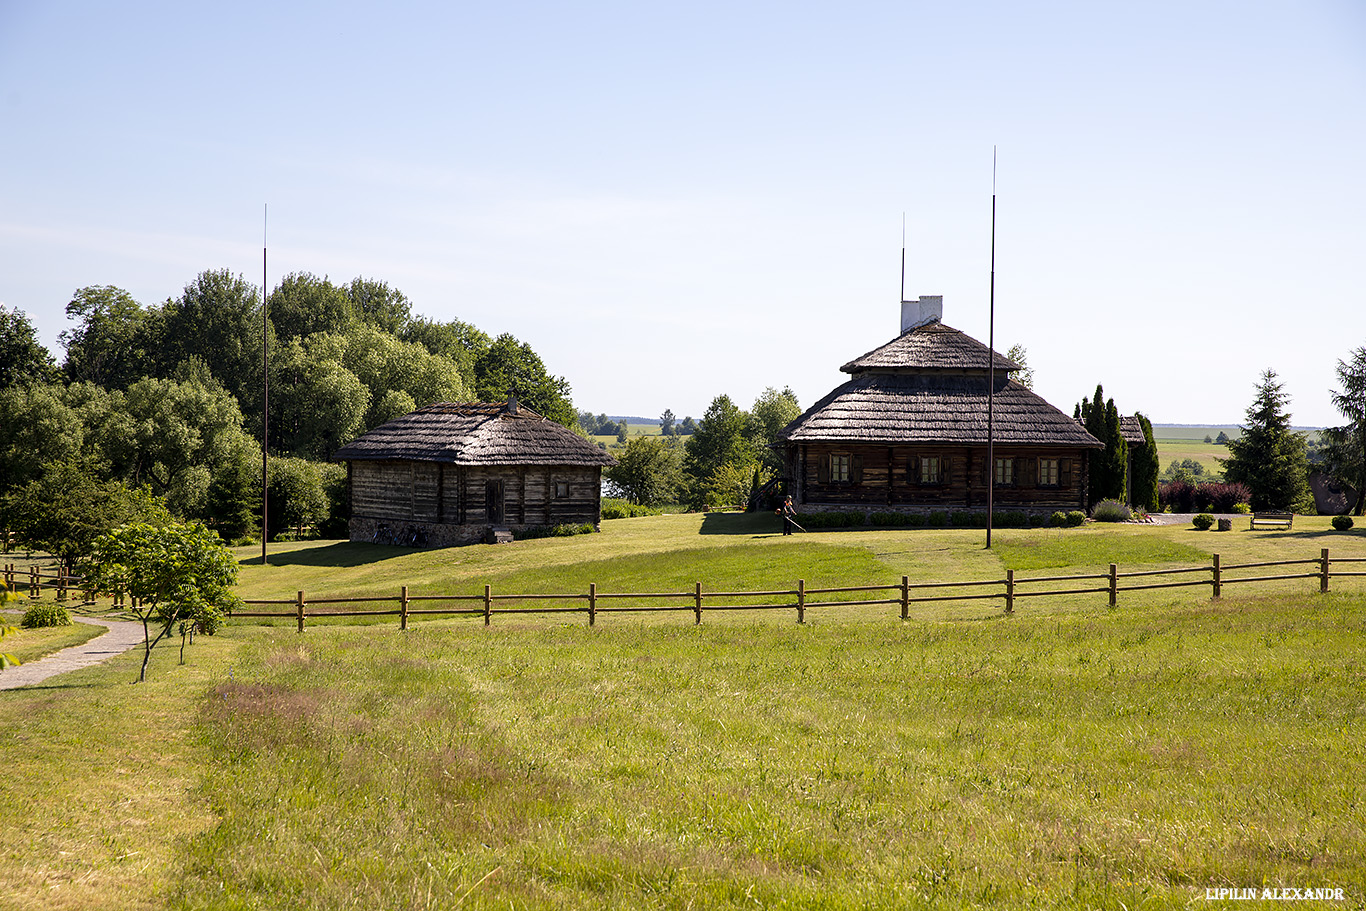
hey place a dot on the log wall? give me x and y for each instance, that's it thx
(882, 475)
(432, 493)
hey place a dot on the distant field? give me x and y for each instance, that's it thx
(1194, 432)
(1207, 454)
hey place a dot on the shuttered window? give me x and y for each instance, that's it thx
(839, 468)
(1049, 475)
(930, 470)
(1005, 472)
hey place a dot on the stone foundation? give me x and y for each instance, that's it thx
(362, 531)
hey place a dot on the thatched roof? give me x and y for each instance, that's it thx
(1131, 429)
(475, 433)
(932, 346)
(934, 408)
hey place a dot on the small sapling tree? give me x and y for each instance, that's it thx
(176, 575)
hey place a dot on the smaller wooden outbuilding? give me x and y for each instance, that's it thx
(458, 473)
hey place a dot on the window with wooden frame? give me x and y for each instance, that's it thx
(839, 468)
(930, 470)
(1049, 473)
(561, 490)
(1005, 472)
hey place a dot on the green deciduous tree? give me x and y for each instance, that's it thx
(179, 433)
(772, 411)
(721, 440)
(302, 494)
(375, 303)
(1344, 447)
(66, 509)
(218, 319)
(175, 574)
(317, 404)
(457, 341)
(1025, 375)
(116, 340)
(648, 471)
(1269, 457)
(303, 304)
(23, 359)
(510, 366)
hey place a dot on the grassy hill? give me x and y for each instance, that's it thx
(1069, 756)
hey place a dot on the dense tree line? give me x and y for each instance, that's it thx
(729, 454)
(165, 401)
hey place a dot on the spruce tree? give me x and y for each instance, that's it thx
(1269, 457)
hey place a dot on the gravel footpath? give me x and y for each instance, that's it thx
(121, 636)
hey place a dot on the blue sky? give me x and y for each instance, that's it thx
(674, 202)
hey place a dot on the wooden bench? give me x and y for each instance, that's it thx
(1272, 520)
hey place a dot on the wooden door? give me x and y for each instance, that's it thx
(493, 502)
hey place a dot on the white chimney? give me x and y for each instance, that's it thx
(929, 309)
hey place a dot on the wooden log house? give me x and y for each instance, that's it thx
(462, 473)
(908, 432)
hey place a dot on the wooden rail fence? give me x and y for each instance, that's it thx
(801, 599)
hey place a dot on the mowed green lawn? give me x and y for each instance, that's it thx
(1068, 756)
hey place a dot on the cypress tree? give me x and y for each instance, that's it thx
(1108, 465)
(1146, 469)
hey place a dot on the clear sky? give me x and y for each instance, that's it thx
(674, 201)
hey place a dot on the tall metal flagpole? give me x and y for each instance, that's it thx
(265, 384)
(991, 359)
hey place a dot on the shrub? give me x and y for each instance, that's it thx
(889, 518)
(1075, 518)
(831, 519)
(1242, 509)
(553, 531)
(1342, 523)
(937, 519)
(1011, 519)
(613, 508)
(1203, 521)
(41, 615)
(1058, 519)
(1222, 497)
(1111, 511)
(1177, 496)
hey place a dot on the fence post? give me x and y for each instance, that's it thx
(1010, 591)
(61, 583)
(905, 596)
(35, 583)
(592, 603)
(697, 603)
(299, 605)
(1114, 584)
(1218, 578)
(488, 603)
(403, 608)
(801, 600)
(1323, 572)
(9, 576)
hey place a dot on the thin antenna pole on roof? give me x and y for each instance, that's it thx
(903, 257)
(991, 357)
(265, 385)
